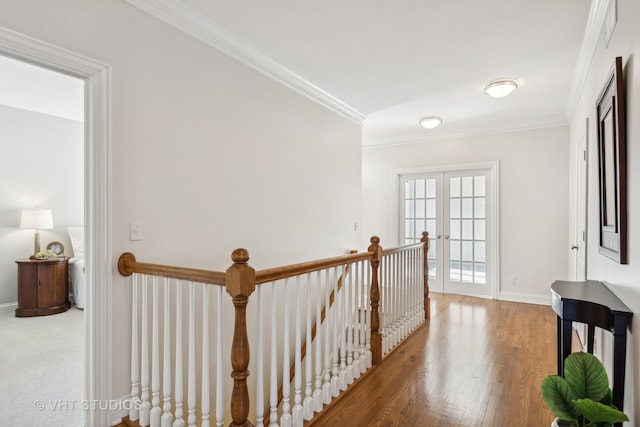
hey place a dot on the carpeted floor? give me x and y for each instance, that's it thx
(42, 370)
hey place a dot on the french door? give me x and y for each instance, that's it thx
(457, 209)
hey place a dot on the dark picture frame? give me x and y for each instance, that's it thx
(612, 165)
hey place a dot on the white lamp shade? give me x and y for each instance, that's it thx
(38, 219)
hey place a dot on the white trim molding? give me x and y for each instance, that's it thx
(525, 298)
(190, 21)
(595, 20)
(97, 77)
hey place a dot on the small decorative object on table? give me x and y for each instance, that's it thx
(48, 254)
(56, 247)
(583, 397)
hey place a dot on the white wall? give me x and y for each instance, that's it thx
(624, 280)
(41, 165)
(208, 155)
(533, 199)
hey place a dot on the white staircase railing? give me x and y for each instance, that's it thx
(312, 329)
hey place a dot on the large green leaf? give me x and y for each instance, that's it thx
(596, 412)
(586, 376)
(559, 397)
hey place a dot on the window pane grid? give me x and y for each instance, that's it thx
(467, 245)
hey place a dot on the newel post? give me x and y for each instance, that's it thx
(376, 336)
(425, 254)
(241, 282)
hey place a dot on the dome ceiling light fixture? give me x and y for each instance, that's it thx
(430, 122)
(500, 88)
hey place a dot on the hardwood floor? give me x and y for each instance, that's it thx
(477, 363)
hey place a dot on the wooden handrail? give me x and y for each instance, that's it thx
(128, 265)
(271, 274)
(398, 249)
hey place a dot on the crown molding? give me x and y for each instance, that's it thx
(595, 20)
(193, 23)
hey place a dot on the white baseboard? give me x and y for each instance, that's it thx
(11, 306)
(526, 298)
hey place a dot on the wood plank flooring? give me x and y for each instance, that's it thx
(477, 362)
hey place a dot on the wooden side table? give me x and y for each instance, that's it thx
(43, 287)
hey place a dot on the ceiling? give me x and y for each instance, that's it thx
(388, 64)
(383, 64)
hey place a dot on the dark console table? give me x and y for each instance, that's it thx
(592, 303)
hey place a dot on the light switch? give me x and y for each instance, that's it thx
(135, 231)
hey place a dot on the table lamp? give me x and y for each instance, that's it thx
(38, 219)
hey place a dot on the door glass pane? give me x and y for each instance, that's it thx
(479, 273)
(467, 251)
(454, 187)
(420, 189)
(454, 271)
(454, 228)
(479, 189)
(420, 227)
(478, 252)
(419, 204)
(454, 208)
(467, 208)
(467, 272)
(478, 229)
(467, 186)
(409, 189)
(467, 229)
(479, 207)
(454, 250)
(408, 228)
(431, 188)
(408, 208)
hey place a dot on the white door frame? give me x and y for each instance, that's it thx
(97, 176)
(494, 167)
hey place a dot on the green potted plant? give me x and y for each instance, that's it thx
(583, 397)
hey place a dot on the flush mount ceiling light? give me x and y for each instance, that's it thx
(500, 88)
(430, 122)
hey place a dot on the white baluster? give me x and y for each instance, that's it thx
(334, 312)
(326, 385)
(260, 365)
(273, 382)
(342, 346)
(369, 357)
(356, 322)
(191, 376)
(386, 300)
(364, 315)
(348, 288)
(167, 417)
(206, 401)
(135, 399)
(156, 413)
(179, 421)
(297, 397)
(317, 392)
(285, 418)
(219, 375)
(144, 368)
(308, 390)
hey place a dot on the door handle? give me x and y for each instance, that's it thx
(439, 236)
(446, 236)
(574, 247)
